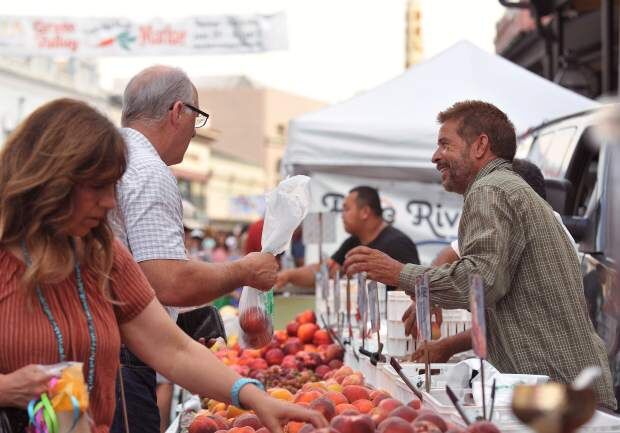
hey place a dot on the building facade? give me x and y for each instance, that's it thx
(573, 43)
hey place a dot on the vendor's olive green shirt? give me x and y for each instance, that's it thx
(535, 307)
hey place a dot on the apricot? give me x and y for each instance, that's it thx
(307, 396)
(281, 394)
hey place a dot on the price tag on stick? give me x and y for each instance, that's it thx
(337, 293)
(478, 329)
(362, 303)
(373, 303)
(478, 322)
(422, 305)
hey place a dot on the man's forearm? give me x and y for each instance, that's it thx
(183, 283)
(458, 343)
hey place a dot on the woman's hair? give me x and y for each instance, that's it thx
(62, 144)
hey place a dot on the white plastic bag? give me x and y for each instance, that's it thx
(286, 207)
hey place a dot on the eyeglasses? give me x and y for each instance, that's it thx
(201, 116)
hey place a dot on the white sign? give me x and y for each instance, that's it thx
(424, 211)
(96, 37)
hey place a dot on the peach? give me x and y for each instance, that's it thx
(389, 404)
(247, 419)
(335, 364)
(322, 370)
(405, 412)
(363, 405)
(394, 424)
(345, 407)
(334, 352)
(326, 430)
(325, 406)
(482, 427)
(253, 320)
(274, 356)
(306, 331)
(354, 379)
(432, 417)
(453, 429)
(280, 335)
(307, 428)
(310, 348)
(378, 415)
(344, 371)
(321, 336)
(424, 427)
(353, 424)
(378, 398)
(221, 422)
(292, 346)
(291, 329)
(336, 397)
(244, 429)
(203, 424)
(307, 316)
(415, 403)
(355, 392)
(263, 430)
(258, 364)
(294, 426)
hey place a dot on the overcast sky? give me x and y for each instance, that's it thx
(337, 48)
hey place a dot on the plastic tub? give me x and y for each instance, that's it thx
(397, 304)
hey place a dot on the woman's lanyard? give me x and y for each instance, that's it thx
(56, 328)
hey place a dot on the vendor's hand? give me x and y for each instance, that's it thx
(282, 279)
(260, 270)
(409, 320)
(23, 385)
(437, 350)
(377, 265)
(274, 413)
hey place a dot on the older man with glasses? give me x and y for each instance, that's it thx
(159, 118)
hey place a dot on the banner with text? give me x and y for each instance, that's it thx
(424, 211)
(100, 37)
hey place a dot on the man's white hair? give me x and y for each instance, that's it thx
(150, 94)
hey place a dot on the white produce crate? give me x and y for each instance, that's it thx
(397, 303)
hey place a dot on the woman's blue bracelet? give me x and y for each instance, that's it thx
(236, 389)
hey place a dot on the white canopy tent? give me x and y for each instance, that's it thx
(386, 136)
(390, 131)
